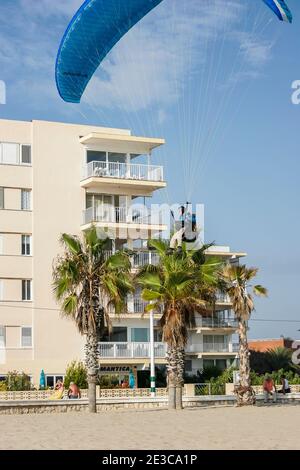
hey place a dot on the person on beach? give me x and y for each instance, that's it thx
(74, 391)
(58, 391)
(269, 389)
(285, 385)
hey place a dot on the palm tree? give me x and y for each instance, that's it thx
(178, 287)
(87, 282)
(279, 358)
(236, 281)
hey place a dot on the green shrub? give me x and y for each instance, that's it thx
(16, 381)
(211, 372)
(76, 372)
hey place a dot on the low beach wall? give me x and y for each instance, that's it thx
(259, 389)
(100, 392)
(122, 404)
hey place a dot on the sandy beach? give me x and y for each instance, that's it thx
(264, 427)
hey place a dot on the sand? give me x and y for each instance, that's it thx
(263, 427)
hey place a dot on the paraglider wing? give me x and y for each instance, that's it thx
(94, 30)
(280, 9)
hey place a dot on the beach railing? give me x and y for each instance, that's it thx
(101, 393)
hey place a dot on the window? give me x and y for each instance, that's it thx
(26, 337)
(188, 365)
(140, 335)
(10, 154)
(2, 378)
(2, 337)
(157, 336)
(117, 157)
(221, 364)
(1, 198)
(118, 335)
(26, 289)
(26, 245)
(26, 155)
(95, 156)
(51, 380)
(25, 199)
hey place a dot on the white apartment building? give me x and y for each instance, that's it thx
(57, 178)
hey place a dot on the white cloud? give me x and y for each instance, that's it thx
(257, 53)
(170, 49)
(156, 65)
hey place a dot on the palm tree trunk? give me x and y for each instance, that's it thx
(172, 376)
(180, 377)
(91, 358)
(245, 393)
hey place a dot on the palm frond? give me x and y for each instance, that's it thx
(260, 290)
(72, 243)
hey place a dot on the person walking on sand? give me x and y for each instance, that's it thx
(269, 389)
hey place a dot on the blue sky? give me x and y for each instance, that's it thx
(214, 78)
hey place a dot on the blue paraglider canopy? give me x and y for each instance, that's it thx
(95, 29)
(280, 9)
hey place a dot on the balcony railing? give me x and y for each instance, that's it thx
(112, 214)
(222, 297)
(131, 171)
(139, 305)
(130, 350)
(212, 348)
(143, 258)
(216, 323)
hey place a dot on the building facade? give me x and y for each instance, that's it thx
(266, 344)
(57, 178)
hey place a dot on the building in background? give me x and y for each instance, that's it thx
(57, 178)
(263, 345)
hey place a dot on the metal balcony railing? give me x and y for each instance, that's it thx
(133, 171)
(112, 214)
(143, 258)
(216, 323)
(130, 350)
(222, 297)
(212, 348)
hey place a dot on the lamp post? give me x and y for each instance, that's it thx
(152, 358)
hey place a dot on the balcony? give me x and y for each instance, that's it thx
(213, 349)
(130, 350)
(146, 178)
(216, 324)
(107, 216)
(142, 258)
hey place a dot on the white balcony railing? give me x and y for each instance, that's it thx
(112, 214)
(142, 258)
(216, 323)
(222, 297)
(130, 350)
(131, 171)
(212, 348)
(139, 305)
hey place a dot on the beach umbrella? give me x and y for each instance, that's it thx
(42, 379)
(131, 380)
